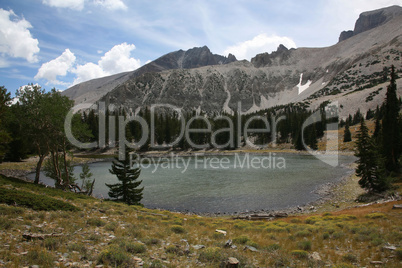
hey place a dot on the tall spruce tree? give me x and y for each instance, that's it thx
(347, 136)
(127, 189)
(369, 162)
(390, 126)
(4, 136)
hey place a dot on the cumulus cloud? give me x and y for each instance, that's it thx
(80, 4)
(57, 67)
(72, 4)
(259, 44)
(16, 39)
(87, 72)
(111, 4)
(116, 60)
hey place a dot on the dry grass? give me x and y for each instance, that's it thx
(114, 234)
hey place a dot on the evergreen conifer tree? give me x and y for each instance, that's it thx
(369, 164)
(347, 136)
(127, 190)
(313, 142)
(390, 126)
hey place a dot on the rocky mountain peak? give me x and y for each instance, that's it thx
(372, 19)
(277, 57)
(282, 48)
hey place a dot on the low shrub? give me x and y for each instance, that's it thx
(349, 257)
(40, 257)
(134, 247)
(299, 254)
(273, 247)
(375, 215)
(304, 245)
(303, 233)
(275, 229)
(241, 239)
(325, 236)
(178, 229)
(95, 222)
(312, 220)
(173, 249)
(212, 254)
(115, 256)
(111, 226)
(79, 247)
(151, 241)
(51, 243)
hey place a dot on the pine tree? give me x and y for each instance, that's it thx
(4, 136)
(390, 126)
(313, 142)
(127, 189)
(85, 176)
(377, 135)
(369, 164)
(347, 136)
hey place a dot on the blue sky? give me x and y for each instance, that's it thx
(58, 43)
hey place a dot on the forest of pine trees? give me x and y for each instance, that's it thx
(168, 126)
(379, 154)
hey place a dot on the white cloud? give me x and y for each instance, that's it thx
(259, 44)
(73, 4)
(16, 39)
(116, 60)
(80, 4)
(87, 72)
(111, 4)
(57, 67)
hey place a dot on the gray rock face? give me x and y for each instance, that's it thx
(372, 19)
(91, 91)
(345, 35)
(278, 57)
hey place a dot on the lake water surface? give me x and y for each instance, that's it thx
(226, 183)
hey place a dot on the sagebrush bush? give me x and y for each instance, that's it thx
(95, 222)
(111, 226)
(376, 215)
(211, 254)
(172, 249)
(178, 229)
(299, 254)
(349, 257)
(115, 256)
(304, 245)
(51, 243)
(40, 256)
(273, 247)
